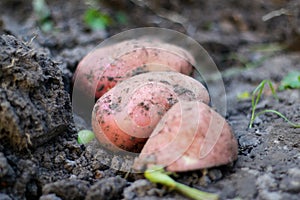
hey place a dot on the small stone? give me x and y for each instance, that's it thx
(107, 189)
(215, 174)
(69, 165)
(247, 142)
(99, 174)
(67, 189)
(257, 121)
(138, 188)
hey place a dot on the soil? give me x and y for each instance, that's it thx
(39, 154)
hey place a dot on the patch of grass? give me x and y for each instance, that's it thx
(256, 95)
(157, 174)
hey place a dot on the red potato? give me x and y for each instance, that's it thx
(125, 116)
(190, 136)
(103, 68)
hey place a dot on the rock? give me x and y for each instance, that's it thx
(141, 188)
(215, 174)
(67, 189)
(106, 189)
(34, 107)
(247, 142)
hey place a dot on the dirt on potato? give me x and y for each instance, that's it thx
(40, 157)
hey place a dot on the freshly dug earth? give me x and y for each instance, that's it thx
(34, 104)
(268, 162)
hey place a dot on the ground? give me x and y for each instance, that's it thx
(246, 49)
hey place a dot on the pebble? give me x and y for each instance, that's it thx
(215, 174)
(140, 189)
(67, 189)
(105, 189)
(248, 141)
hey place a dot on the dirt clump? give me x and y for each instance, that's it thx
(34, 105)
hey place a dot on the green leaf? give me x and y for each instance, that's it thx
(243, 95)
(291, 80)
(280, 115)
(158, 175)
(96, 20)
(85, 136)
(256, 95)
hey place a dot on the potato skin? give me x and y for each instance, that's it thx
(190, 136)
(103, 68)
(125, 116)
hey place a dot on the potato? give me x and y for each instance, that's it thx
(103, 68)
(190, 136)
(125, 116)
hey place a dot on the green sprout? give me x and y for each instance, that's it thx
(157, 174)
(85, 136)
(256, 95)
(96, 20)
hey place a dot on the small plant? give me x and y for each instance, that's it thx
(256, 95)
(85, 136)
(157, 174)
(96, 19)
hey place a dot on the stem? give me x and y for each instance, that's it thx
(256, 98)
(194, 193)
(158, 175)
(280, 115)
